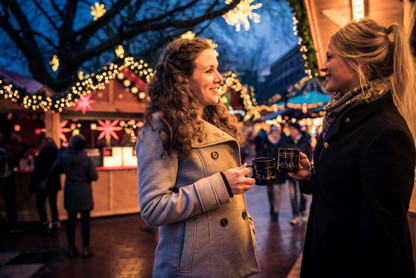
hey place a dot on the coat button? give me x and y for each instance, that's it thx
(244, 214)
(200, 140)
(326, 145)
(347, 120)
(214, 155)
(224, 222)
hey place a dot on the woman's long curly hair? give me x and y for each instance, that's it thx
(171, 95)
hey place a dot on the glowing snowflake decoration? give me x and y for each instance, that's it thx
(54, 63)
(119, 51)
(188, 35)
(80, 75)
(98, 10)
(108, 129)
(84, 103)
(63, 130)
(241, 13)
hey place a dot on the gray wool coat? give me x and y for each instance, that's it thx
(203, 232)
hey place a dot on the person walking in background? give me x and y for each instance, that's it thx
(12, 152)
(191, 181)
(259, 141)
(46, 183)
(273, 142)
(364, 160)
(80, 172)
(6, 183)
(297, 199)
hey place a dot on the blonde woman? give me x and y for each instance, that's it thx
(191, 181)
(364, 168)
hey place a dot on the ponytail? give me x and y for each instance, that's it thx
(403, 77)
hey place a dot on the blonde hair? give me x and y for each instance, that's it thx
(379, 53)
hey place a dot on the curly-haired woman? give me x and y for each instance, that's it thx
(191, 181)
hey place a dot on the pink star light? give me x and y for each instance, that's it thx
(84, 103)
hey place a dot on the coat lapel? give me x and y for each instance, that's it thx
(213, 136)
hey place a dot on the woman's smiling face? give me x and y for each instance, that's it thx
(205, 79)
(339, 76)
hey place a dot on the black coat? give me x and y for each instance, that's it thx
(304, 144)
(80, 172)
(364, 174)
(43, 164)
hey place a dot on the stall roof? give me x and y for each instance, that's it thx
(31, 85)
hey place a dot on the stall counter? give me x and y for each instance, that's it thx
(115, 193)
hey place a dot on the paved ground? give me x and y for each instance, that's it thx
(123, 249)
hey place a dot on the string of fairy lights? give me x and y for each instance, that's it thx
(301, 29)
(246, 96)
(83, 86)
(134, 75)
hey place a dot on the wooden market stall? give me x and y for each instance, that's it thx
(108, 117)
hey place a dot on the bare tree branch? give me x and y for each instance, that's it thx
(89, 30)
(56, 8)
(27, 44)
(130, 33)
(46, 15)
(163, 16)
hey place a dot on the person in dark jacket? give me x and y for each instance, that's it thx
(46, 171)
(270, 148)
(364, 161)
(79, 171)
(15, 151)
(297, 139)
(259, 141)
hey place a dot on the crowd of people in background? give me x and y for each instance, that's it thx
(45, 182)
(267, 144)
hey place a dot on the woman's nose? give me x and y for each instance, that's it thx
(218, 78)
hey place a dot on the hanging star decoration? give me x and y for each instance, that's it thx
(54, 63)
(108, 130)
(84, 103)
(98, 10)
(63, 130)
(241, 13)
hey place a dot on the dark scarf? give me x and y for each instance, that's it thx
(341, 102)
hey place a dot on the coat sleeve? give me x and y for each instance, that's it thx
(387, 173)
(160, 202)
(92, 175)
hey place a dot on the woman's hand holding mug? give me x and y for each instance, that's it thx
(238, 180)
(305, 170)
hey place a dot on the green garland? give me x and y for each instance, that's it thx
(306, 42)
(246, 98)
(83, 86)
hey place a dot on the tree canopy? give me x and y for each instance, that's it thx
(38, 30)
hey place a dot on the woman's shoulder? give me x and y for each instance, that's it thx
(150, 129)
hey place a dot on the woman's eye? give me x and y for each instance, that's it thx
(209, 71)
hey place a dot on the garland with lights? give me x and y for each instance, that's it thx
(135, 77)
(301, 29)
(247, 99)
(83, 86)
